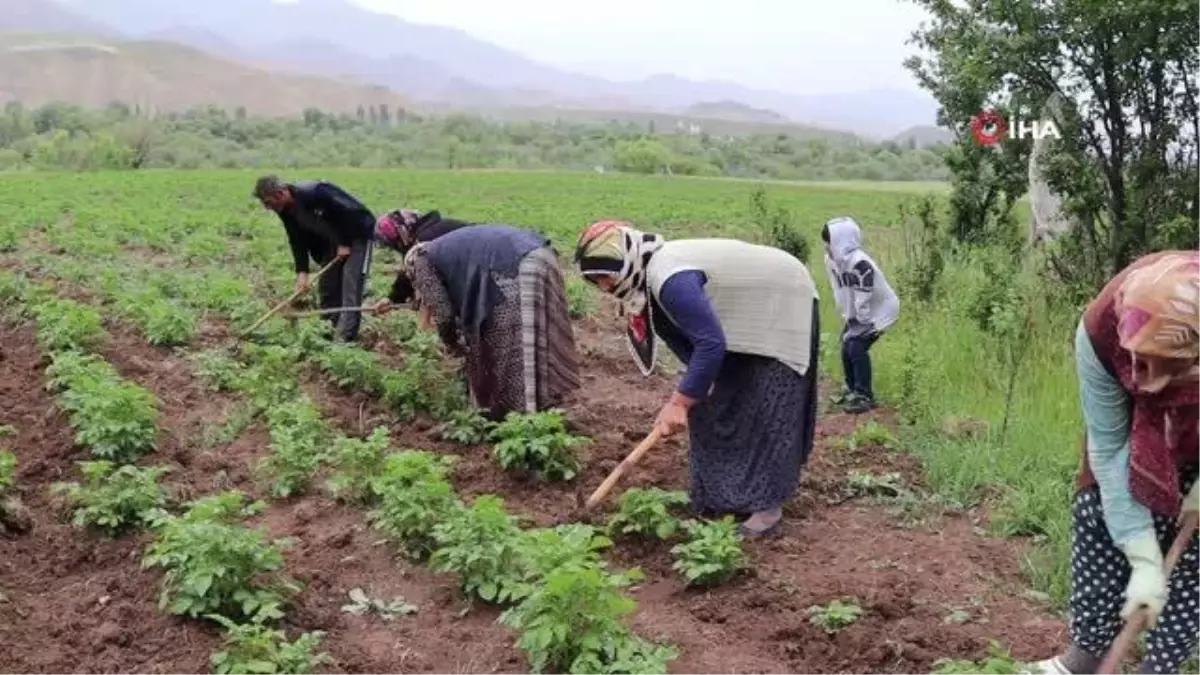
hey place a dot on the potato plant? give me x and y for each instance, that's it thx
(414, 496)
(712, 554)
(572, 622)
(467, 427)
(647, 512)
(485, 546)
(357, 461)
(215, 564)
(163, 321)
(116, 498)
(537, 444)
(255, 649)
(299, 436)
(572, 546)
(64, 325)
(115, 419)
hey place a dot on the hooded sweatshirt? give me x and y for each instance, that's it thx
(865, 300)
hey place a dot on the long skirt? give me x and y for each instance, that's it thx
(525, 360)
(1100, 572)
(753, 434)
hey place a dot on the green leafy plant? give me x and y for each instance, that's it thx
(215, 565)
(68, 325)
(484, 545)
(8, 471)
(868, 484)
(834, 616)
(358, 461)
(467, 427)
(998, 662)
(581, 297)
(572, 621)
(115, 498)
(298, 439)
(114, 418)
(414, 497)
(361, 604)
(221, 371)
(870, 434)
(255, 649)
(712, 554)
(537, 444)
(570, 546)
(647, 512)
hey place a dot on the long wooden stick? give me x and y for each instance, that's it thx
(1129, 634)
(332, 310)
(292, 298)
(633, 458)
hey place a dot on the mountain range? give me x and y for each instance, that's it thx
(438, 66)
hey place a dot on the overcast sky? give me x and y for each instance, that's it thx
(800, 46)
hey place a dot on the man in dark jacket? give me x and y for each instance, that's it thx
(325, 222)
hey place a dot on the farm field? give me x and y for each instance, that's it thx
(122, 300)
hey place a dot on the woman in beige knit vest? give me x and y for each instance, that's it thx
(744, 319)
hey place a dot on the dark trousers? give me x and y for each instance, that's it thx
(856, 363)
(343, 286)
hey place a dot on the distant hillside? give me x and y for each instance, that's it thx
(924, 136)
(734, 111)
(39, 69)
(662, 122)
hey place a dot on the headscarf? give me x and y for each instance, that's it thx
(1150, 314)
(1158, 311)
(391, 226)
(617, 249)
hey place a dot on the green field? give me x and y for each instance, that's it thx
(161, 249)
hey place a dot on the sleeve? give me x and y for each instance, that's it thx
(297, 243)
(1106, 416)
(863, 273)
(683, 298)
(430, 291)
(342, 214)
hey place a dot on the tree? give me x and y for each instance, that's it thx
(1127, 164)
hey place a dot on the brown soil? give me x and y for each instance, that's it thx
(74, 602)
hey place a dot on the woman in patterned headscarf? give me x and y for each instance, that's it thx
(496, 294)
(1136, 352)
(744, 318)
(400, 230)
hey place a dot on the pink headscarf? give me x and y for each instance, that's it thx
(391, 226)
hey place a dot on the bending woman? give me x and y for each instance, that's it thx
(400, 230)
(744, 319)
(496, 293)
(1136, 352)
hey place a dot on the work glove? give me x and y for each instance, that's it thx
(1192, 501)
(1147, 582)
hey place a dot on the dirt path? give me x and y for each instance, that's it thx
(76, 602)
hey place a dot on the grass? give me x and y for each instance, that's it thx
(203, 226)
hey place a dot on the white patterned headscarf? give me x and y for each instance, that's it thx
(617, 249)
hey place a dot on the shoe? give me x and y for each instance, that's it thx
(858, 404)
(751, 533)
(841, 397)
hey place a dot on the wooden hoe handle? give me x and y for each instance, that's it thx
(290, 300)
(633, 458)
(1129, 634)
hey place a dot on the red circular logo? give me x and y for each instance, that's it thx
(989, 127)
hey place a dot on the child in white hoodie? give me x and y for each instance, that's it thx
(867, 303)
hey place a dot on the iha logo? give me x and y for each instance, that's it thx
(989, 128)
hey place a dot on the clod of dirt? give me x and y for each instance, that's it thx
(110, 633)
(15, 517)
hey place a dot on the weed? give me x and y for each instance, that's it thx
(834, 616)
(361, 604)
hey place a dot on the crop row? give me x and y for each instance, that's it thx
(214, 566)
